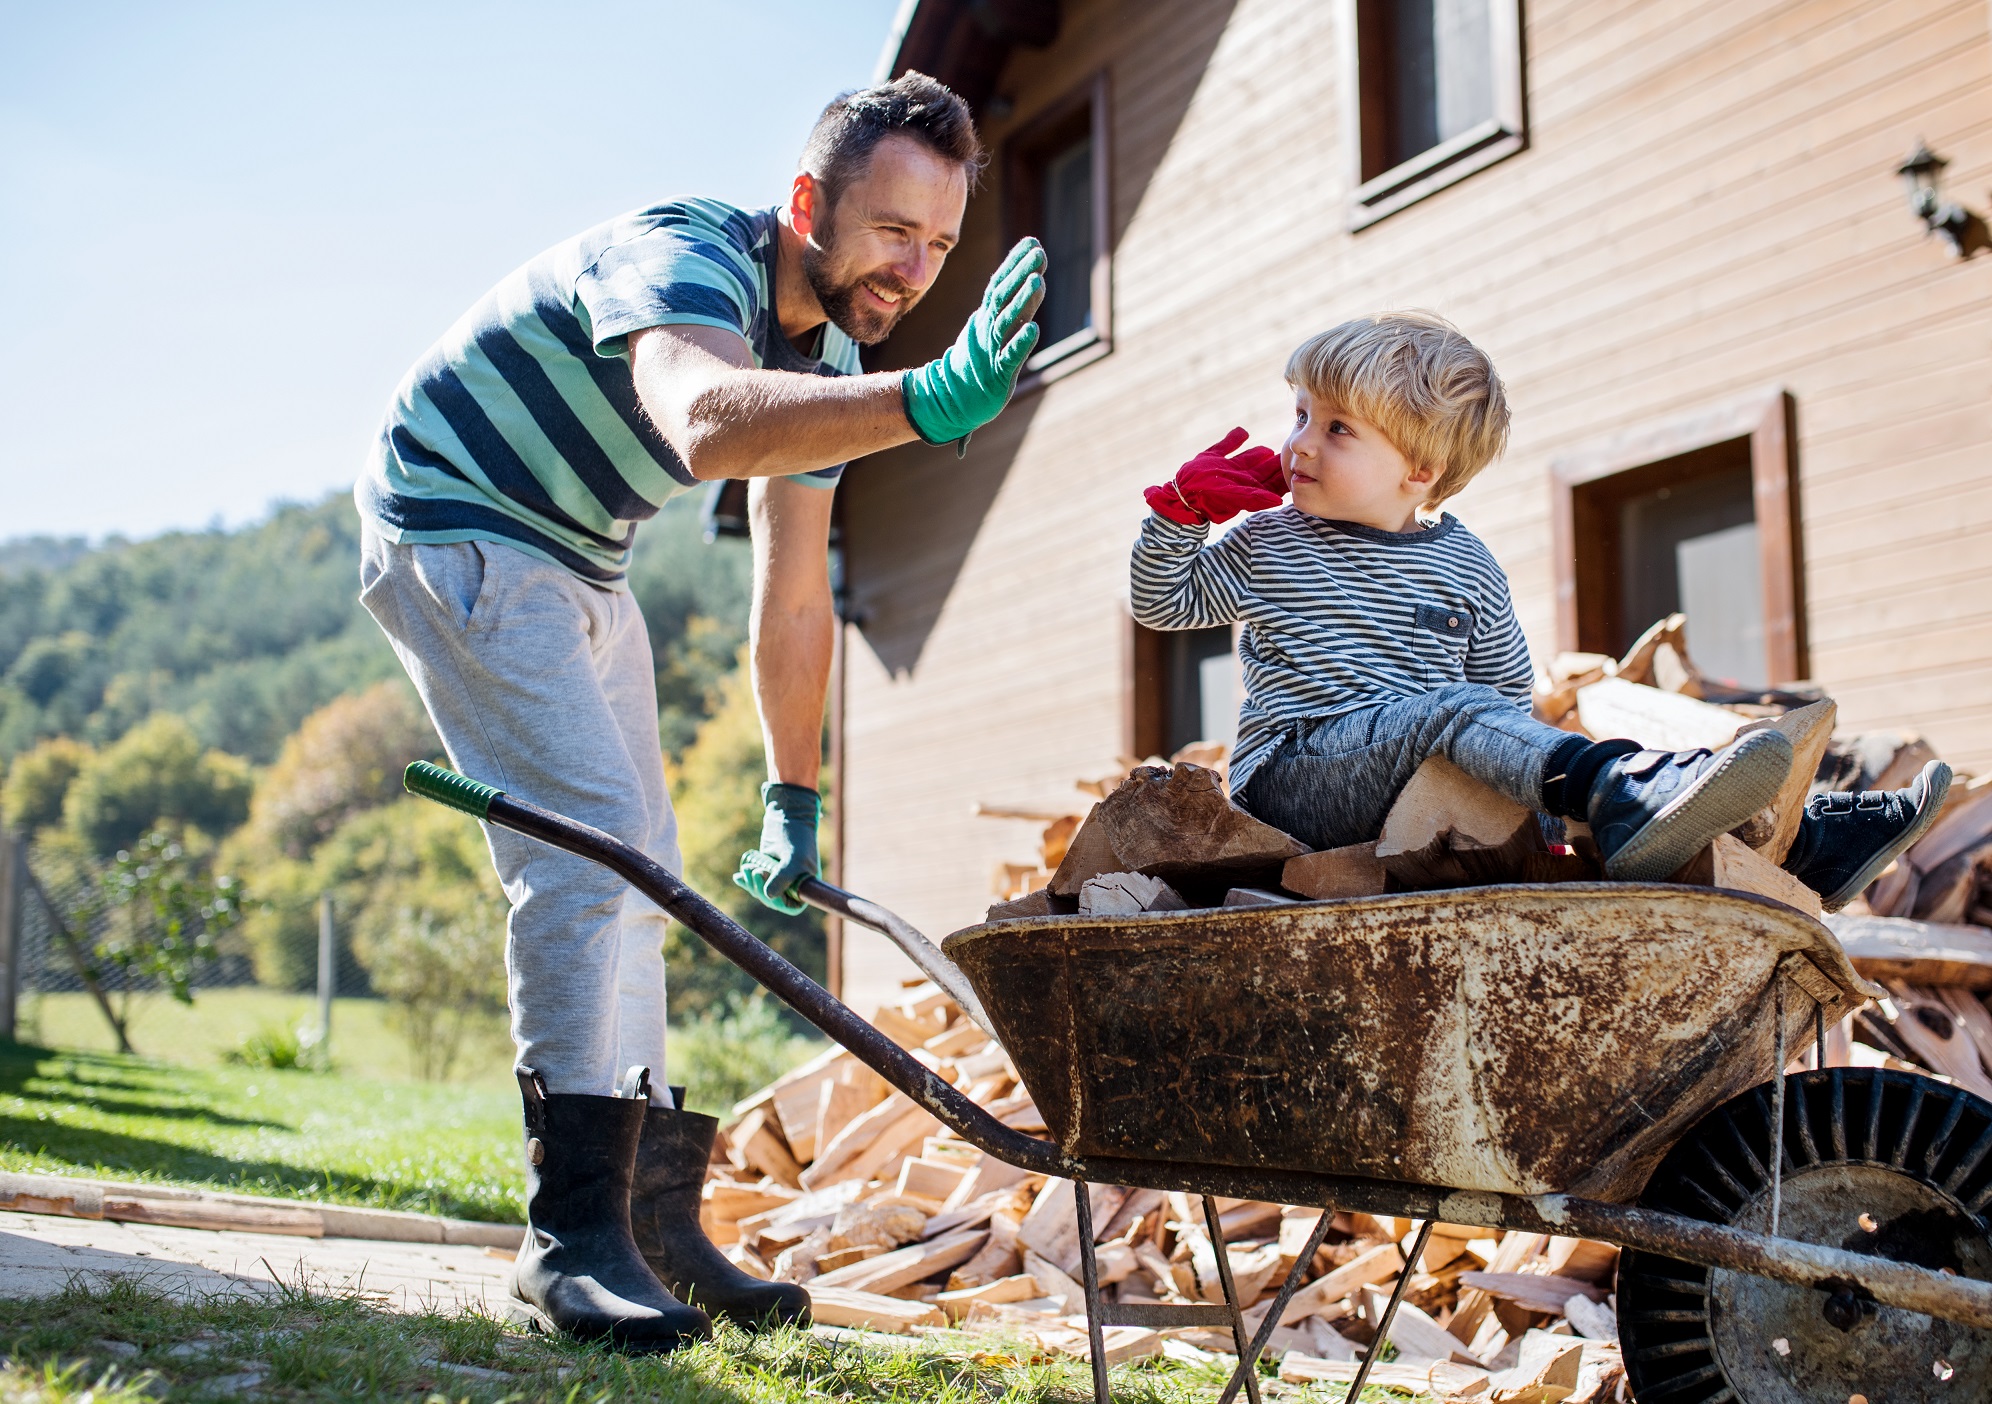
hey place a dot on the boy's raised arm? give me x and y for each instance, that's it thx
(1179, 583)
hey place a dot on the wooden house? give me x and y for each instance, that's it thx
(1746, 379)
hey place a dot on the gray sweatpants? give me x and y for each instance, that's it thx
(1333, 781)
(543, 685)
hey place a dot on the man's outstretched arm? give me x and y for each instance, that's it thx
(725, 419)
(792, 634)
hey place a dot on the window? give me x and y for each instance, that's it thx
(1693, 515)
(1056, 182)
(1186, 687)
(1434, 93)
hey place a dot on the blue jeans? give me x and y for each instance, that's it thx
(1332, 782)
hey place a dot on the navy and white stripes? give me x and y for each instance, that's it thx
(522, 425)
(1337, 616)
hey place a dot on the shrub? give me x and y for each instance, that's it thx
(272, 1046)
(427, 919)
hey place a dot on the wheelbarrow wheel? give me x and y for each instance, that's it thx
(1875, 1161)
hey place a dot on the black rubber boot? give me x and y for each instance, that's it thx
(664, 1212)
(1652, 811)
(578, 1268)
(1845, 840)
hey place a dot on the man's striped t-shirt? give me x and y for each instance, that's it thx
(522, 425)
(1338, 616)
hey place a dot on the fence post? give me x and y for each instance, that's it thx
(13, 903)
(327, 974)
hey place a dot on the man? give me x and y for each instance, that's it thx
(686, 342)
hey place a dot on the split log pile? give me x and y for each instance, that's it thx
(832, 1179)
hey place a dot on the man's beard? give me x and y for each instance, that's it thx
(844, 302)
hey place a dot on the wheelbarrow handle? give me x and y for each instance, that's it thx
(739, 945)
(909, 938)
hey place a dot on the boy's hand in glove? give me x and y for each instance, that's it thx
(950, 398)
(787, 853)
(1218, 484)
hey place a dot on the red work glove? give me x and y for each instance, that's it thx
(1215, 488)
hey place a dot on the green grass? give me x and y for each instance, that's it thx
(362, 1133)
(311, 1347)
(395, 1145)
(721, 1058)
(364, 1044)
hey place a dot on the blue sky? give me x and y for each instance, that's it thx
(227, 229)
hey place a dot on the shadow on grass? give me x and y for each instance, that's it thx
(92, 1149)
(41, 1074)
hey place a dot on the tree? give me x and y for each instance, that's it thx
(156, 772)
(156, 912)
(716, 789)
(37, 782)
(347, 756)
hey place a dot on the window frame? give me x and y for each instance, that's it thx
(1768, 421)
(1021, 149)
(1453, 160)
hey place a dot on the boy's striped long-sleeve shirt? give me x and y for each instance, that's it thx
(1337, 616)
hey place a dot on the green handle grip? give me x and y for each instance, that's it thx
(447, 787)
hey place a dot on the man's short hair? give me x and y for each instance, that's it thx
(1417, 378)
(841, 143)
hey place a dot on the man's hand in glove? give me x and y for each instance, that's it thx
(1218, 484)
(950, 398)
(787, 853)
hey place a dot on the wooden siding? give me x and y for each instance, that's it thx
(1706, 208)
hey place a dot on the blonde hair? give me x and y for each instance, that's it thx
(1414, 376)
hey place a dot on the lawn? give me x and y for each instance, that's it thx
(363, 1133)
(720, 1059)
(132, 1345)
(395, 1145)
(365, 1043)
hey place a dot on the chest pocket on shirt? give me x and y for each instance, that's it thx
(1455, 626)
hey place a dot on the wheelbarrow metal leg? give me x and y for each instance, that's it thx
(1247, 1365)
(1277, 1308)
(1777, 1099)
(1089, 1269)
(1411, 1258)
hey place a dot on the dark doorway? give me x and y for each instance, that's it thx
(1185, 688)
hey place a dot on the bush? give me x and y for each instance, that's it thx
(155, 773)
(272, 1046)
(427, 919)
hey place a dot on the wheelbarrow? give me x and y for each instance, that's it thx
(1592, 1060)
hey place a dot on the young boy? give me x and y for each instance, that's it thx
(1379, 632)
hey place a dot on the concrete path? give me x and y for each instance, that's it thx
(42, 1253)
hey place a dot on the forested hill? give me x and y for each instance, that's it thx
(245, 633)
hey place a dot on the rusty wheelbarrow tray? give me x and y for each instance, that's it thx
(1159, 1048)
(1519, 1039)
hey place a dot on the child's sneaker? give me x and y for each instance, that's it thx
(1654, 810)
(1845, 840)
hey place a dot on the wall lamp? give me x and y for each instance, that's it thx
(1965, 230)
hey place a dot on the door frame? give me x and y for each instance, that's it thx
(1768, 420)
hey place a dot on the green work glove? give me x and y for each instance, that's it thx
(787, 853)
(950, 398)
